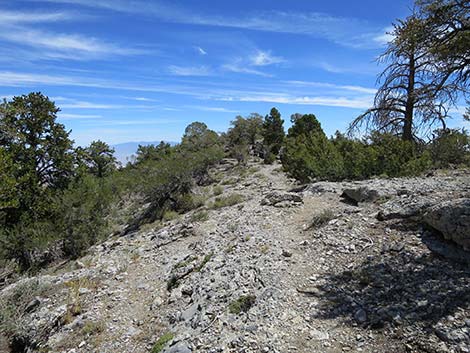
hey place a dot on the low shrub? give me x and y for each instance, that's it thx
(321, 219)
(162, 342)
(200, 216)
(242, 304)
(225, 201)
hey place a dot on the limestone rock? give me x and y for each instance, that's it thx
(274, 198)
(361, 194)
(452, 219)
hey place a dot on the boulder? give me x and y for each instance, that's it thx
(452, 220)
(404, 208)
(361, 194)
(274, 198)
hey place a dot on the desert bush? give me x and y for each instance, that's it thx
(308, 154)
(321, 219)
(82, 214)
(242, 304)
(217, 190)
(188, 202)
(450, 147)
(226, 201)
(15, 304)
(162, 342)
(200, 216)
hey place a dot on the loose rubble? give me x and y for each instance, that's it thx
(258, 277)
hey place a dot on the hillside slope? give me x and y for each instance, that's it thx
(287, 269)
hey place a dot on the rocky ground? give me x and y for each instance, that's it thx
(284, 269)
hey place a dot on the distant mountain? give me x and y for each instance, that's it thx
(124, 151)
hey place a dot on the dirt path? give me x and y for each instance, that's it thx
(299, 288)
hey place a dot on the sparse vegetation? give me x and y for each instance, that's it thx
(200, 216)
(170, 216)
(205, 260)
(93, 328)
(242, 304)
(14, 306)
(321, 219)
(162, 342)
(217, 190)
(225, 201)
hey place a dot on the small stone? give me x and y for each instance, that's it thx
(286, 253)
(319, 335)
(32, 305)
(360, 316)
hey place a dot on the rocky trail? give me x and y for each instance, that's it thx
(287, 269)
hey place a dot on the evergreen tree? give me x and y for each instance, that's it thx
(273, 132)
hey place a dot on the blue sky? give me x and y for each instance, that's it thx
(142, 70)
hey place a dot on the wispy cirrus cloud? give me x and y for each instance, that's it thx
(264, 58)
(189, 70)
(68, 116)
(63, 45)
(385, 37)
(213, 109)
(200, 50)
(352, 88)
(19, 28)
(238, 67)
(284, 92)
(17, 17)
(355, 103)
(348, 32)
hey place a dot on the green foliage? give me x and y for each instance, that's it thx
(200, 216)
(188, 202)
(269, 156)
(242, 304)
(98, 158)
(170, 215)
(308, 153)
(14, 306)
(198, 137)
(243, 136)
(26, 238)
(358, 158)
(82, 213)
(450, 147)
(8, 183)
(218, 190)
(41, 150)
(273, 133)
(152, 152)
(162, 342)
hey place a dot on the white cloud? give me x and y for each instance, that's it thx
(385, 37)
(290, 92)
(189, 70)
(59, 45)
(238, 68)
(214, 109)
(349, 32)
(16, 17)
(200, 50)
(67, 116)
(264, 58)
(358, 103)
(352, 88)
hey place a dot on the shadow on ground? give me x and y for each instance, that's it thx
(397, 288)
